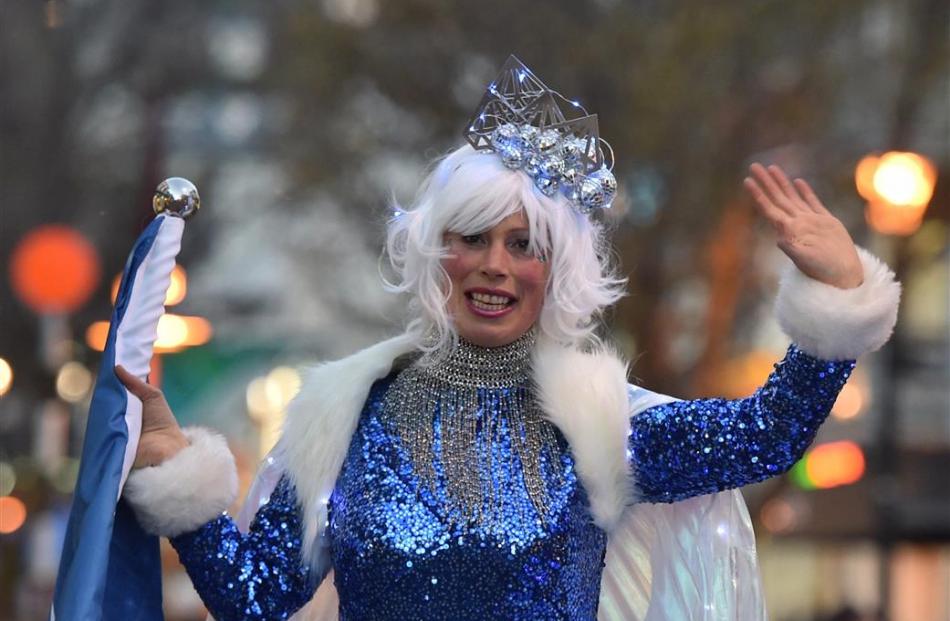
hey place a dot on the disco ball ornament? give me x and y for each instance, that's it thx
(607, 181)
(570, 150)
(506, 135)
(532, 164)
(572, 172)
(511, 156)
(592, 195)
(552, 166)
(547, 185)
(528, 133)
(177, 197)
(572, 194)
(548, 140)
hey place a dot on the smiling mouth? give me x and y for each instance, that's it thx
(490, 303)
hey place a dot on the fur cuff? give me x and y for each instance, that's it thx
(186, 491)
(839, 324)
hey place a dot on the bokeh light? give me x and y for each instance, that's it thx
(54, 269)
(73, 382)
(12, 514)
(898, 186)
(851, 400)
(267, 398)
(778, 516)
(828, 465)
(6, 377)
(904, 178)
(177, 287)
(7, 478)
(175, 332)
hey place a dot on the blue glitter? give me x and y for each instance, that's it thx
(254, 576)
(765, 433)
(398, 555)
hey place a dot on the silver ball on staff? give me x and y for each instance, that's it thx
(176, 196)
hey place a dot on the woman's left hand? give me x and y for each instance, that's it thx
(813, 239)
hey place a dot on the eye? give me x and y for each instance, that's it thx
(521, 245)
(472, 240)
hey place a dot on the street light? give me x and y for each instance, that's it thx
(898, 186)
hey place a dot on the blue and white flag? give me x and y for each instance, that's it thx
(110, 568)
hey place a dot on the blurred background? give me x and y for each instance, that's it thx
(300, 120)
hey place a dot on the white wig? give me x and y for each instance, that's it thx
(470, 192)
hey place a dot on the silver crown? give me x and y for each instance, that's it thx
(521, 120)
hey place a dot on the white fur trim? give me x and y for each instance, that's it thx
(320, 424)
(585, 395)
(839, 324)
(191, 488)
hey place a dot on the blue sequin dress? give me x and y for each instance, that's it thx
(397, 556)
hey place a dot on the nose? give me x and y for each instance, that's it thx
(495, 263)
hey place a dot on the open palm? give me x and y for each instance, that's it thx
(815, 240)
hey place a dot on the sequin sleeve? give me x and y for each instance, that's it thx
(257, 575)
(689, 448)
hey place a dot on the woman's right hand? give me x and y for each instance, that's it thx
(161, 436)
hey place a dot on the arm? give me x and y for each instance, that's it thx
(182, 483)
(257, 575)
(688, 448)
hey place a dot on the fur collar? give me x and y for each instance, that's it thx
(583, 394)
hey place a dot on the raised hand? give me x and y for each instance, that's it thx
(161, 436)
(816, 241)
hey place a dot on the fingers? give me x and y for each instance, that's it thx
(762, 201)
(136, 386)
(810, 199)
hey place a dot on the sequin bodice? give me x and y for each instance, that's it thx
(400, 551)
(389, 528)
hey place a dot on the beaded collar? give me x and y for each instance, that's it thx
(478, 395)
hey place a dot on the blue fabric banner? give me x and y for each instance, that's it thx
(110, 568)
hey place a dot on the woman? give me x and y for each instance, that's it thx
(475, 466)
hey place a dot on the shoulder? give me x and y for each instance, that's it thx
(640, 399)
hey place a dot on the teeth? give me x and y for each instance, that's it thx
(491, 299)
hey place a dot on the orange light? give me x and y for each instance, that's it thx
(894, 219)
(175, 332)
(898, 186)
(54, 269)
(864, 177)
(834, 464)
(6, 377)
(742, 376)
(849, 403)
(177, 287)
(12, 514)
(97, 334)
(905, 179)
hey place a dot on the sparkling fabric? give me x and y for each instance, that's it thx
(397, 555)
(688, 448)
(257, 575)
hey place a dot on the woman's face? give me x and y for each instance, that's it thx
(497, 284)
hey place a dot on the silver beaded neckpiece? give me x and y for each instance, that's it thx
(476, 392)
